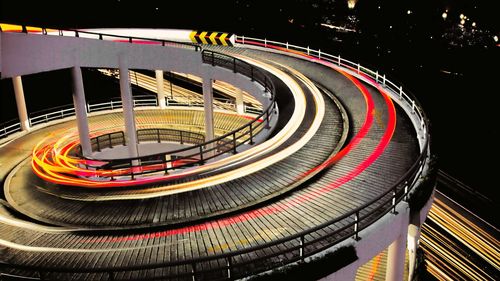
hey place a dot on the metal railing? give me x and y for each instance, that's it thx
(116, 103)
(293, 248)
(227, 143)
(107, 37)
(158, 135)
(9, 127)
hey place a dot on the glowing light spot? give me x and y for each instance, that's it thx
(444, 15)
(351, 4)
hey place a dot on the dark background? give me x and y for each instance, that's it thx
(452, 69)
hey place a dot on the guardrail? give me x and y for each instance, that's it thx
(9, 127)
(105, 36)
(293, 248)
(199, 154)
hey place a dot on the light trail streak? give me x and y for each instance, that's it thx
(42, 169)
(450, 241)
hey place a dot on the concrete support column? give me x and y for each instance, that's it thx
(22, 112)
(240, 108)
(413, 242)
(208, 101)
(160, 89)
(396, 259)
(128, 110)
(81, 111)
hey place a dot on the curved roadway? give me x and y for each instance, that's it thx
(380, 148)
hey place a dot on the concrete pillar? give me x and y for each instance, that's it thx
(22, 112)
(396, 259)
(160, 89)
(413, 242)
(208, 100)
(128, 110)
(81, 111)
(240, 108)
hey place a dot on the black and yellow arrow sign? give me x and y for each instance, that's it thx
(211, 38)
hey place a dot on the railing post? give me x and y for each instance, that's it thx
(265, 42)
(98, 144)
(287, 45)
(193, 271)
(251, 73)
(301, 249)
(234, 65)
(213, 59)
(234, 143)
(394, 201)
(356, 226)
(201, 155)
(338, 60)
(383, 83)
(158, 134)
(406, 191)
(376, 76)
(100, 36)
(400, 92)
(358, 67)
(308, 50)
(319, 53)
(110, 143)
(413, 106)
(229, 265)
(243, 39)
(132, 170)
(181, 138)
(251, 133)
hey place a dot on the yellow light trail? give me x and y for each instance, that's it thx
(446, 238)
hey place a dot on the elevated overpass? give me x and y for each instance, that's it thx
(338, 171)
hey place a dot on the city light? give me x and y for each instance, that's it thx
(444, 15)
(495, 38)
(351, 3)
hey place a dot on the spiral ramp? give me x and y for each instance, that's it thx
(339, 176)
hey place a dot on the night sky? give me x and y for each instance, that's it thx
(450, 67)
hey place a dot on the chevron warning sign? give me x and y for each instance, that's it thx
(212, 38)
